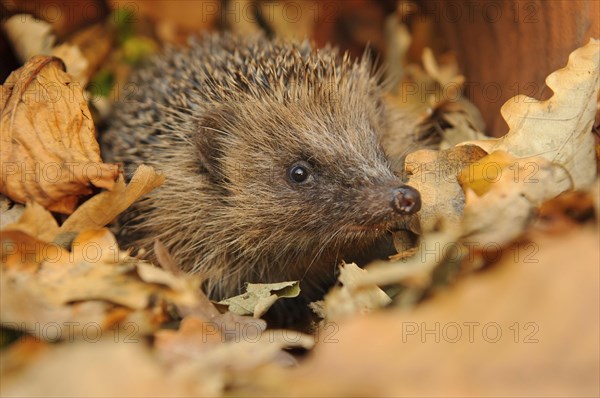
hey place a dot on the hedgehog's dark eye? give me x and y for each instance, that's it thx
(299, 172)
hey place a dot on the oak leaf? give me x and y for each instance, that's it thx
(560, 128)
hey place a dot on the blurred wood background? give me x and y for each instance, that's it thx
(508, 47)
(504, 48)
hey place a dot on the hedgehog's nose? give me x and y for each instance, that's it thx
(406, 200)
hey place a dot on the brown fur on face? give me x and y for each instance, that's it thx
(226, 121)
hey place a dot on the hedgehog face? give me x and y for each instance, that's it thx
(298, 173)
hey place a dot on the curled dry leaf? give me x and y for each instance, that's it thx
(49, 152)
(259, 297)
(106, 206)
(354, 296)
(560, 128)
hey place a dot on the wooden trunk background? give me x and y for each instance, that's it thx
(508, 47)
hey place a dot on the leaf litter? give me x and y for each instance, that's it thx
(71, 273)
(46, 130)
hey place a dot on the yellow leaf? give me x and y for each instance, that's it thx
(480, 175)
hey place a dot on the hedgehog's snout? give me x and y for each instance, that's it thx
(405, 200)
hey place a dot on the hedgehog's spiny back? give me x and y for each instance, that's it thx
(221, 68)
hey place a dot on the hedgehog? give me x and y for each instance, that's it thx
(273, 160)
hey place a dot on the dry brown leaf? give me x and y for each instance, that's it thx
(108, 249)
(24, 302)
(222, 350)
(97, 368)
(354, 296)
(75, 63)
(85, 50)
(427, 89)
(515, 188)
(49, 152)
(427, 100)
(529, 326)
(94, 43)
(560, 128)
(29, 36)
(434, 175)
(415, 270)
(197, 335)
(446, 75)
(194, 336)
(36, 222)
(259, 297)
(95, 282)
(24, 253)
(202, 307)
(106, 206)
(466, 123)
(229, 342)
